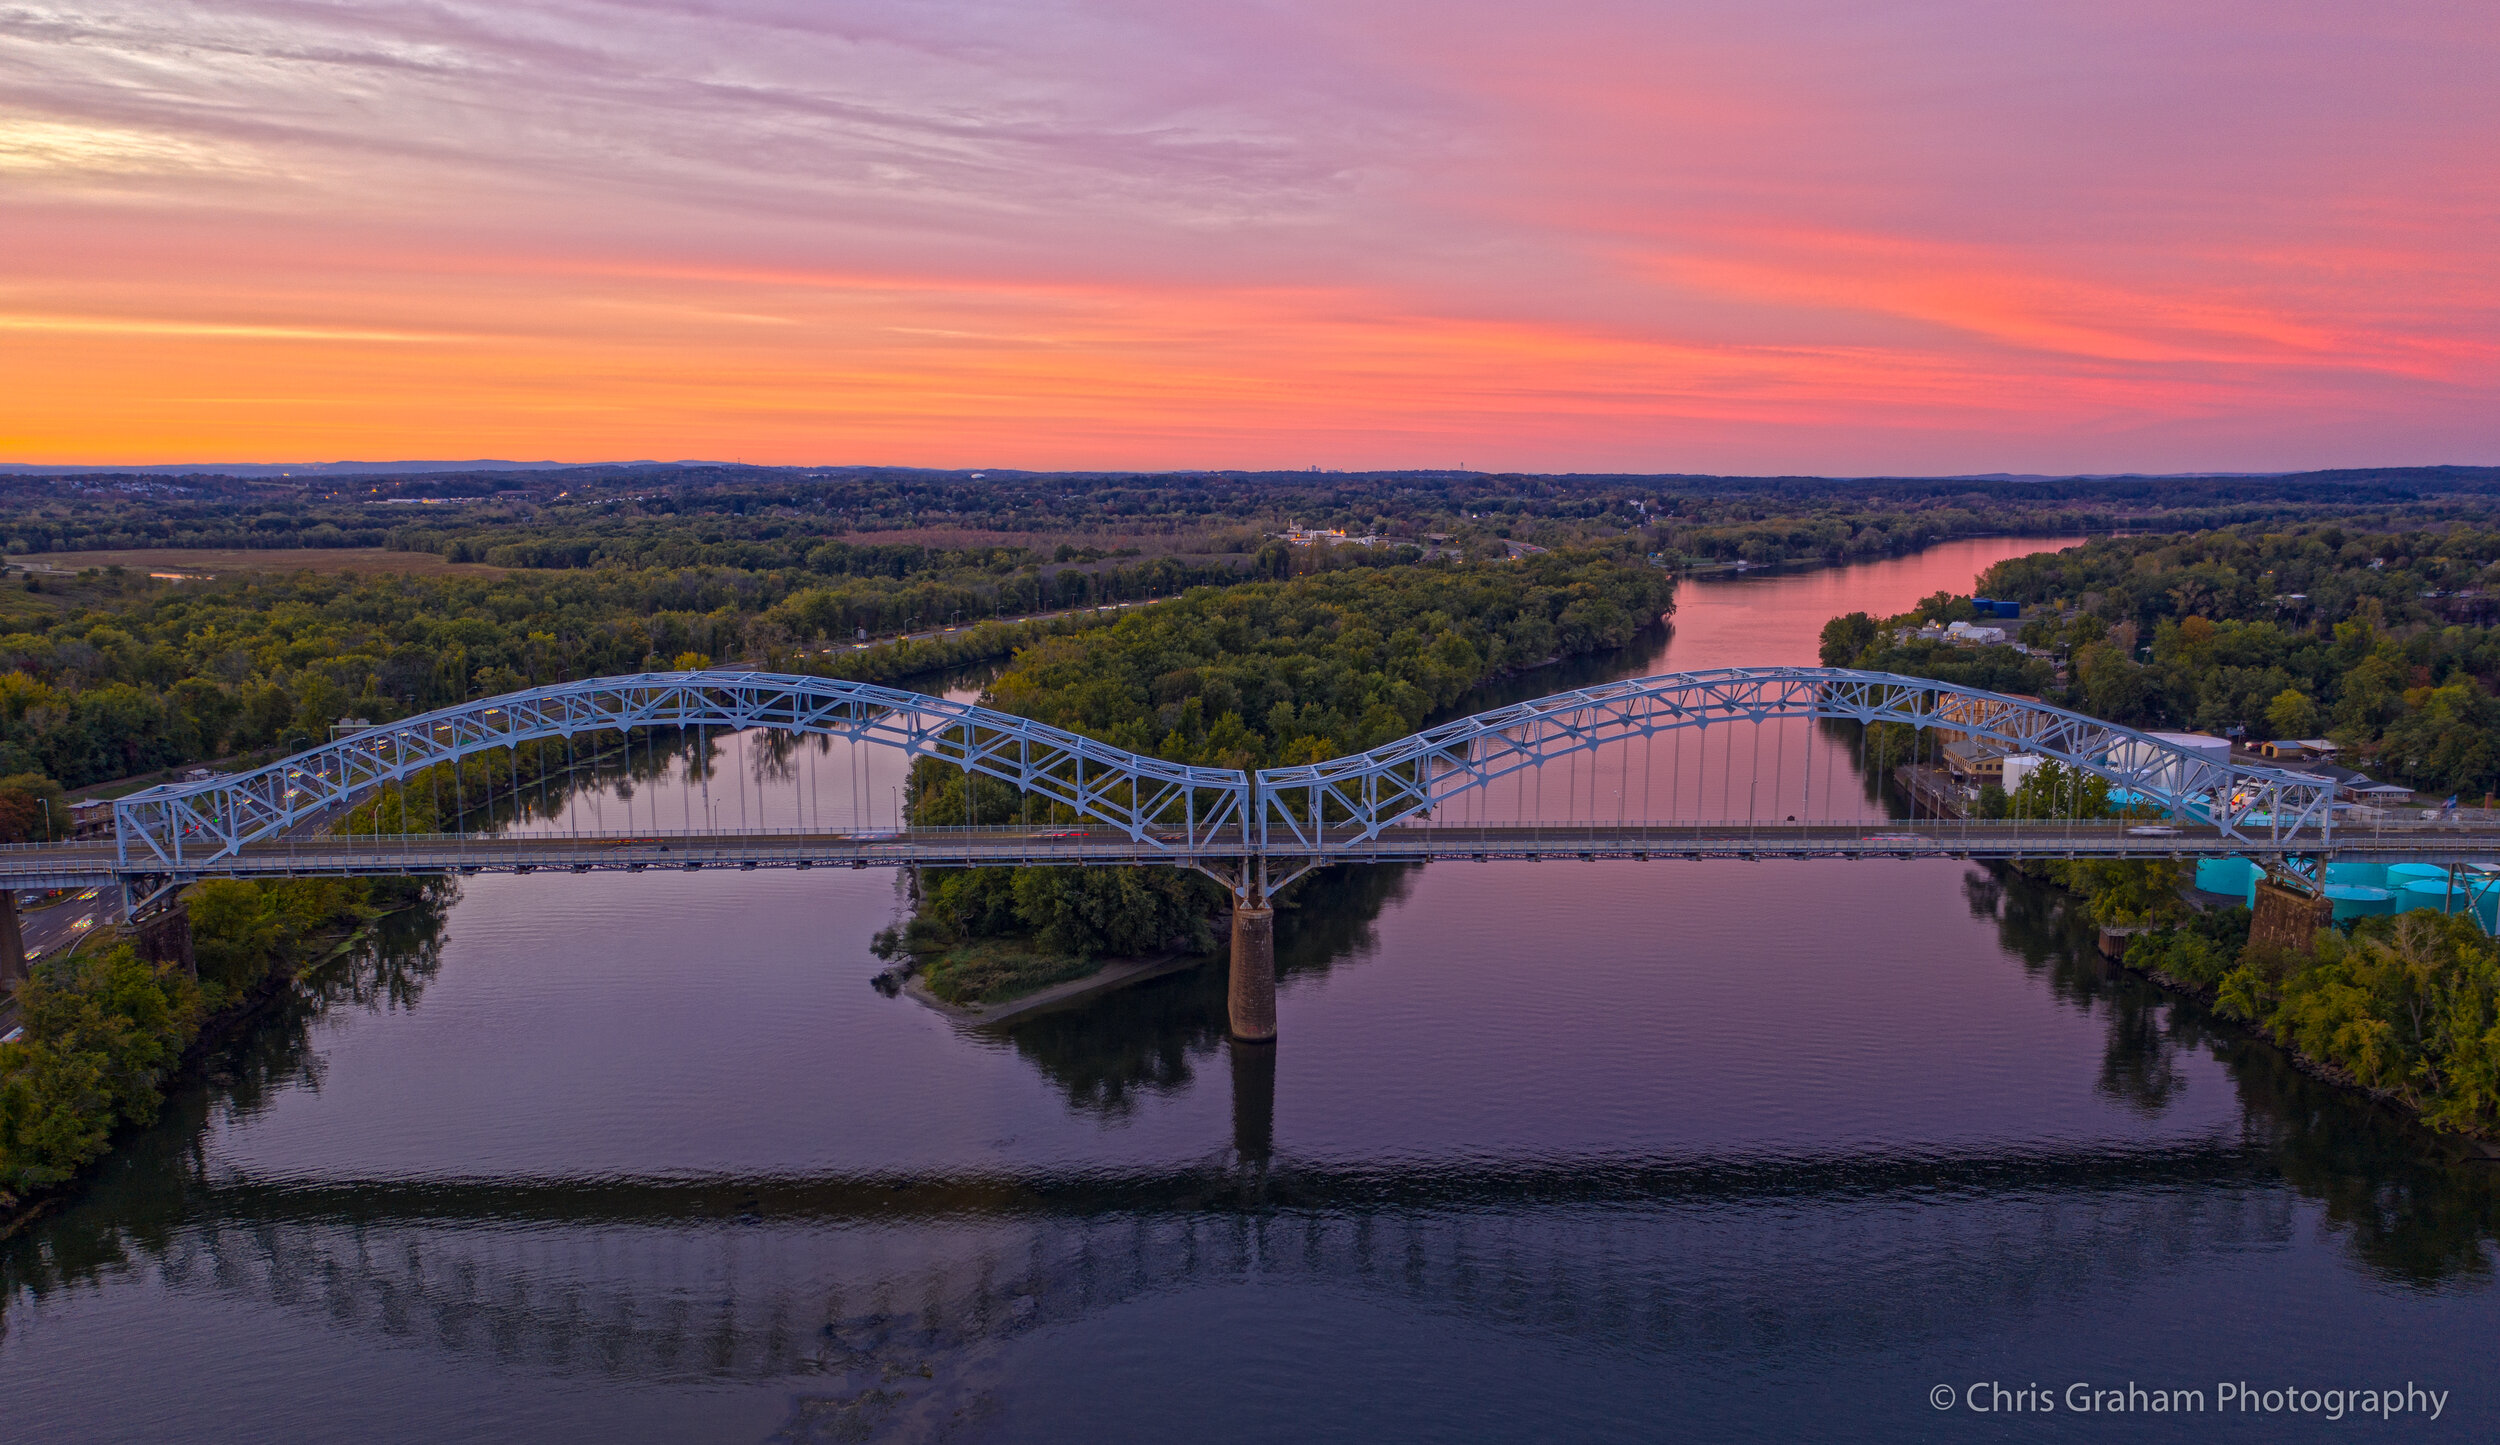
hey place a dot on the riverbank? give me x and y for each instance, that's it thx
(2472, 1146)
(215, 1030)
(1699, 565)
(105, 1032)
(2398, 1008)
(1105, 977)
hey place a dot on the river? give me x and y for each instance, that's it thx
(1559, 1151)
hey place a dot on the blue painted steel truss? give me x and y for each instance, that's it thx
(1301, 812)
(1166, 805)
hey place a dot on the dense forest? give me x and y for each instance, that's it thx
(2383, 641)
(111, 675)
(1246, 677)
(893, 522)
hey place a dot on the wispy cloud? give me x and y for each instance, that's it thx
(220, 330)
(1803, 234)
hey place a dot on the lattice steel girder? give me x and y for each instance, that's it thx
(1306, 812)
(1407, 778)
(1156, 802)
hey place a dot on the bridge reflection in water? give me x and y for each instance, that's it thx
(748, 1279)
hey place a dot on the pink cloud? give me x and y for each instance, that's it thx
(1801, 236)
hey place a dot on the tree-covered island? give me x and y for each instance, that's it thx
(1243, 677)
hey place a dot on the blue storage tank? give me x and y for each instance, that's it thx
(2400, 874)
(2431, 893)
(2368, 875)
(2231, 877)
(2359, 900)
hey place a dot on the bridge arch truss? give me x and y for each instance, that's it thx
(1168, 806)
(1193, 813)
(1351, 799)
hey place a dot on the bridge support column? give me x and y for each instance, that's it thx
(1252, 997)
(2288, 917)
(165, 935)
(12, 944)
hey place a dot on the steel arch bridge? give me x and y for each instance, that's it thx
(1167, 805)
(1190, 815)
(1306, 808)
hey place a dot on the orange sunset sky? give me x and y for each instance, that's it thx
(1738, 236)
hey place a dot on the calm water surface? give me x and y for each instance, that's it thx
(1547, 1151)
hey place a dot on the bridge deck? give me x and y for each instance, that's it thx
(78, 865)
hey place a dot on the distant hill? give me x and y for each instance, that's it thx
(698, 473)
(293, 469)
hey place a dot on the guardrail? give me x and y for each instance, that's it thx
(532, 851)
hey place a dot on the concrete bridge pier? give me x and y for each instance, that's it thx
(1252, 996)
(2287, 916)
(165, 935)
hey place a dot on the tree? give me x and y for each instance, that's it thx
(2113, 687)
(2122, 894)
(2054, 790)
(1846, 636)
(2292, 714)
(2448, 737)
(32, 809)
(101, 1031)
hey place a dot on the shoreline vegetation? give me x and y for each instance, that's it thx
(1055, 983)
(2399, 1007)
(2403, 1007)
(1245, 677)
(2381, 642)
(106, 1030)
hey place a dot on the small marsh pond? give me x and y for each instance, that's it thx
(1553, 1152)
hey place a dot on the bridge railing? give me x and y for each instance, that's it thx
(1004, 846)
(1344, 837)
